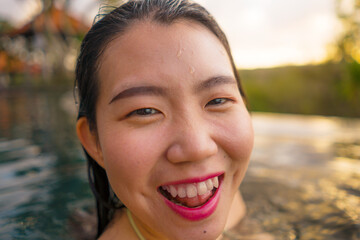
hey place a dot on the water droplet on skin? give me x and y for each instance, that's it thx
(180, 52)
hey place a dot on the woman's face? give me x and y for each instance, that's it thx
(171, 122)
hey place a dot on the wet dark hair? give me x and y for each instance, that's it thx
(87, 82)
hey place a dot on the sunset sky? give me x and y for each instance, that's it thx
(261, 33)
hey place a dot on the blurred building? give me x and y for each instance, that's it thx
(44, 46)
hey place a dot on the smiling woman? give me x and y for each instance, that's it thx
(163, 122)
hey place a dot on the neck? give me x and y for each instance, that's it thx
(142, 232)
(237, 211)
(133, 225)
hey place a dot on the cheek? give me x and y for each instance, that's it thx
(238, 144)
(238, 139)
(129, 157)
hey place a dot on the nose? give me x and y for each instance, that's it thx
(192, 140)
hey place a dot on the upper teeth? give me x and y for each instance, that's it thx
(192, 189)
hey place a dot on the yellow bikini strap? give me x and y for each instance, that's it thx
(133, 225)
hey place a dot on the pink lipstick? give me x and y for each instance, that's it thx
(193, 199)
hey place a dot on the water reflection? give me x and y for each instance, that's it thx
(42, 175)
(303, 181)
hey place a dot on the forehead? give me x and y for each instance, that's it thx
(183, 49)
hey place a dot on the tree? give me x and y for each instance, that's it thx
(348, 12)
(348, 47)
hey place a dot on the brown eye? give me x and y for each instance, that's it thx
(217, 101)
(143, 112)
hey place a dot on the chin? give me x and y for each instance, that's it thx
(210, 228)
(200, 233)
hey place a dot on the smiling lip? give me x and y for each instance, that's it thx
(201, 212)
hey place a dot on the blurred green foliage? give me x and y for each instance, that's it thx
(348, 43)
(4, 26)
(348, 47)
(325, 89)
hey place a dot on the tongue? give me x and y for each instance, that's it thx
(196, 201)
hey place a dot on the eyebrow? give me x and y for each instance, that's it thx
(141, 90)
(215, 81)
(154, 90)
